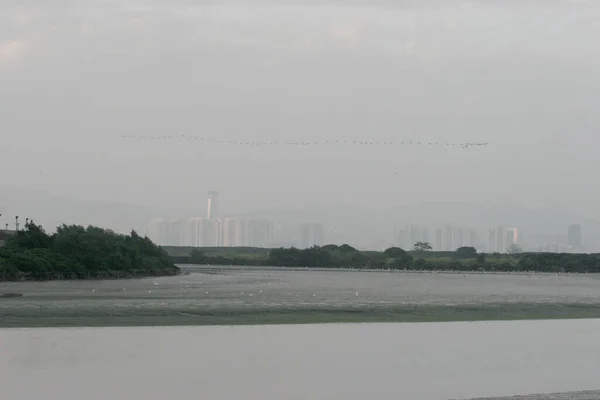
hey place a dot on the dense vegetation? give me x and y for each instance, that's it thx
(75, 252)
(421, 258)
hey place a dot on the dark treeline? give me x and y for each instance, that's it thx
(345, 256)
(75, 252)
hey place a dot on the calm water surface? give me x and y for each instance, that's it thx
(421, 361)
(235, 295)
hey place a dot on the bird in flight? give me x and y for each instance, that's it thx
(294, 142)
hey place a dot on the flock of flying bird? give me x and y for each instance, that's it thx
(296, 143)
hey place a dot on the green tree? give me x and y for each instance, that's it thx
(33, 236)
(466, 252)
(422, 246)
(481, 258)
(514, 249)
(395, 252)
(396, 258)
(345, 248)
(198, 257)
(74, 252)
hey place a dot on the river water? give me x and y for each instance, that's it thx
(92, 339)
(259, 295)
(418, 361)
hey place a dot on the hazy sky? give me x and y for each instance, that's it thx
(524, 76)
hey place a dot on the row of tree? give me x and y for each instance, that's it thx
(465, 251)
(76, 252)
(463, 259)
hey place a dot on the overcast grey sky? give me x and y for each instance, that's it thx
(524, 76)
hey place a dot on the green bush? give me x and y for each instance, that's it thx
(75, 252)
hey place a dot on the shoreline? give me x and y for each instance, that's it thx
(199, 268)
(28, 317)
(219, 268)
(576, 395)
(98, 277)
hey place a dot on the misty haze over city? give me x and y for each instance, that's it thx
(78, 77)
(299, 199)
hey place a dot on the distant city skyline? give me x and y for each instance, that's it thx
(211, 230)
(233, 231)
(365, 228)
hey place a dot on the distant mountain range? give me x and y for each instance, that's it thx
(364, 225)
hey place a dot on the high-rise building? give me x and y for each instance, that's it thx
(472, 239)
(492, 242)
(260, 233)
(549, 248)
(415, 233)
(512, 236)
(574, 236)
(425, 235)
(448, 238)
(459, 238)
(213, 205)
(517, 236)
(217, 231)
(402, 238)
(509, 238)
(203, 232)
(437, 242)
(192, 235)
(234, 232)
(311, 234)
(285, 236)
(500, 246)
(193, 232)
(171, 232)
(154, 230)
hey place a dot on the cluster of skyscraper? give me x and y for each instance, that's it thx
(447, 238)
(450, 238)
(555, 244)
(216, 231)
(311, 234)
(499, 239)
(212, 230)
